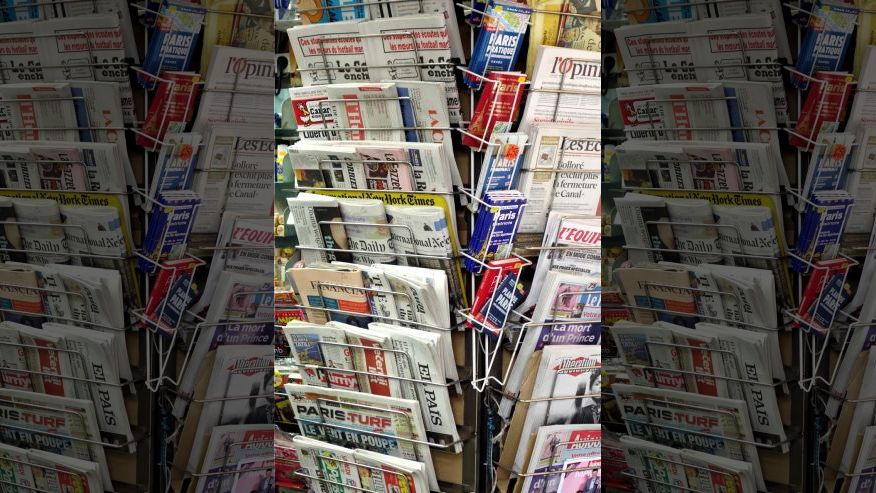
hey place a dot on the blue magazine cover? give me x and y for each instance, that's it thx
(80, 106)
(499, 40)
(177, 28)
(827, 39)
(407, 112)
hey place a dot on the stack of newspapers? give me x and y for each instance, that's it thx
(384, 390)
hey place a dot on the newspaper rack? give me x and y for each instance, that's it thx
(465, 433)
(817, 356)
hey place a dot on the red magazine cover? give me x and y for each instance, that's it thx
(702, 365)
(499, 102)
(173, 101)
(824, 270)
(491, 277)
(72, 482)
(286, 464)
(50, 364)
(825, 103)
(375, 365)
(171, 270)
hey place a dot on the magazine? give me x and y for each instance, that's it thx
(238, 393)
(554, 447)
(569, 244)
(243, 245)
(865, 468)
(232, 448)
(570, 305)
(570, 375)
(548, 26)
(862, 417)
